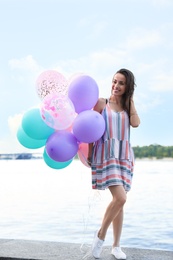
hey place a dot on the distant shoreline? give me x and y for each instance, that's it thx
(154, 158)
(33, 156)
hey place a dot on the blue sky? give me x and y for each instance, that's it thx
(95, 37)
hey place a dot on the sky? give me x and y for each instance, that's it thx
(94, 37)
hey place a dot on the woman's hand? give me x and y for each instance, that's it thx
(89, 161)
(134, 118)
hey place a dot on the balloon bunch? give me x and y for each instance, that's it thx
(65, 122)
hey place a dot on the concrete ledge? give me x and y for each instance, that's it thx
(42, 250)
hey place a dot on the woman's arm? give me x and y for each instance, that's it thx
(90, 146)
(100, 105)
(134, 118)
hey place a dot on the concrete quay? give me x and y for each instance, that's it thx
(43, 250)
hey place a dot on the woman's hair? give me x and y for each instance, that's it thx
(130, 86)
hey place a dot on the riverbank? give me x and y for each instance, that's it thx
(154, 159)
(43, 250)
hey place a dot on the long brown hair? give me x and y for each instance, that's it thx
(130, 86)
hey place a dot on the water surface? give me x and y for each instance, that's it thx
(41, 203)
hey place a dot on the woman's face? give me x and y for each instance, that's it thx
(118, 84)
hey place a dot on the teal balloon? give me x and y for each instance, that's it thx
(27, 141)
(34, 126)
(54, 164)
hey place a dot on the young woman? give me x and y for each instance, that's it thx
(111, 157)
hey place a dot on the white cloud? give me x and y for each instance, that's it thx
(27, 63)
(9, 143)
(141, 38)
(162, 3)
(157, 3)
(14, 123)
(100, 63)
(24, 70)
(162, 82)
(145, 103)
(95, 25)
(98, 29)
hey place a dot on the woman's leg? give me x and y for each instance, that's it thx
(113, 209)
(117, 224)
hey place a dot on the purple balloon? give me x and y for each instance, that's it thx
(61, 146)
(83, 92)
(88, 126)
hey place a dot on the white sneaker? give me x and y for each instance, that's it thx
(97, 246)
(118, 253)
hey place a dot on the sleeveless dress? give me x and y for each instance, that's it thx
(112, 160)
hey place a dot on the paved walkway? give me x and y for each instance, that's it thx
(42, 250)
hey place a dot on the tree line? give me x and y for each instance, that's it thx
(154, 150)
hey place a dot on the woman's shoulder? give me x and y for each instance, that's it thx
(102, 100)
(100, 105)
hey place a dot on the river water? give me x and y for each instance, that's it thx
(40, 203)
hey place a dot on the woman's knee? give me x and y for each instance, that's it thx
(121, 200)
(119, 195)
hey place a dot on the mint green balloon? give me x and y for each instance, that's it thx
(34, 126)
(54, 164)
(27, 141)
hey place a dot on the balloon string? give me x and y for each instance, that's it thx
(92, 204)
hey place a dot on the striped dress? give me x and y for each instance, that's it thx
(112, 155)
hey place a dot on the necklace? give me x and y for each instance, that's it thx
(115, 106)
(113, 102)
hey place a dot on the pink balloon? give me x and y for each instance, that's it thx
(83, 153)
(88, 126)
(83, 92)
(51, 81)
(62, 146)
(57, 111)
